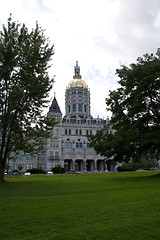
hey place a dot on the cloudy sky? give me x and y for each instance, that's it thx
(100, 34)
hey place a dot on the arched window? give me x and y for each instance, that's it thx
(79, 107)
(88, 145)
(78, 144)
(68, 143)
(43, 166)
(74, 107)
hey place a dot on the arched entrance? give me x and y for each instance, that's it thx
(79, 165)
(100, 165)
(90, 166)
(110, 166)
(68, 165)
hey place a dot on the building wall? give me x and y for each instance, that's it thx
(69, 145)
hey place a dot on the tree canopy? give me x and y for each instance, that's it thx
(135, 108)
(24, 89)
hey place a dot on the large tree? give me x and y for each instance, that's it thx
(135, 108)
(24, 90)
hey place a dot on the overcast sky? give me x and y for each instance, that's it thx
(100, 34)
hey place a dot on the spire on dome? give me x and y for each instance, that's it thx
(77, 71)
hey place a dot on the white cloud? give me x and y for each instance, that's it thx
(100, 34)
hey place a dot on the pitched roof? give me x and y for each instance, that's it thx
(54, 108)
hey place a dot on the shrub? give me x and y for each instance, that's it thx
(147, 164)
(126, 167)
(143, 163)
(35, 171)
(58, 169)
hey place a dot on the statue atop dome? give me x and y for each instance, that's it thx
(77, 71)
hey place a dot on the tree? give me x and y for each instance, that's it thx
(24, 90)
(135, 108)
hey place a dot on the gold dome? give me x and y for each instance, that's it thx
(77, 82)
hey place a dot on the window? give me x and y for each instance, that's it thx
(20, 157)
(43, 166)
(85, 108)
(72, 120)
(79, 107)
(51, 165)
(27, 166)
(31, 157)
(86, 132)
(56, 164)
(51, 153)
(39, 157)
(78, 144)
(43, 157)
(69, 108)
(90, 132)
(88, 145)
(15, 166)
(66, 145)
(65, 131)
(77, 121)
(27, 157)
(74, 107)
(56, 154)
(31, 166)
(67, 120)
(76, 131)
(80, 132)
(69, 131)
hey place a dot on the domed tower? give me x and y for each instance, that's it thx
(77, 96)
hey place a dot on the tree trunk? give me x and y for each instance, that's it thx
(2, 171)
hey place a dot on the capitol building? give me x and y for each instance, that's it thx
(69, 145)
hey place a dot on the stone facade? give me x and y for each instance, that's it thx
(69, 145)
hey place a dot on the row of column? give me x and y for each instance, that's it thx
(88, 165)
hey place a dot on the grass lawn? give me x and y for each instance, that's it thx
(109, 206)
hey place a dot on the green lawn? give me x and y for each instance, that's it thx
(109, 206)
